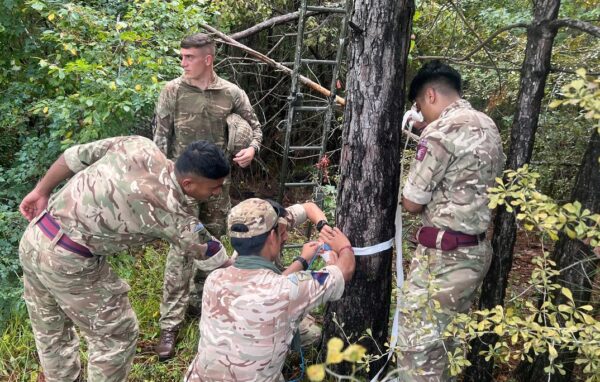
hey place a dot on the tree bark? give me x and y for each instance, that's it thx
(369, 163)
(535, 69)
(576, 259)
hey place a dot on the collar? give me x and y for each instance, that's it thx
(217, 83)
(255, 262)
(458, 104)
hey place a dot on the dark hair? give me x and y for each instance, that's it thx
(203, 158)
(252, 246)
(435, 72)
(198, 40)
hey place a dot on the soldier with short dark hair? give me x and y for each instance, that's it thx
(458, 157)
(122, 192)
(200, 105)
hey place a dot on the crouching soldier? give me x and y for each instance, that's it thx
(251, 311)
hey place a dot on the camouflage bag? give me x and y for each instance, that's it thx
(239, 133)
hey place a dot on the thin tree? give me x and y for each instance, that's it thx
(534, 72)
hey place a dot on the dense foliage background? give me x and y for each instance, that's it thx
(76, 71)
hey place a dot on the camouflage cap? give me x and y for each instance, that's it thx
(252, 217)
(239, 132)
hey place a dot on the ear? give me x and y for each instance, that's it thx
(185, 183)
(209, 59)
(430, 95)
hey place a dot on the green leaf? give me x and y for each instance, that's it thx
(567, 293)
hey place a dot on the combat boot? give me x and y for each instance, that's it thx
(166, 344)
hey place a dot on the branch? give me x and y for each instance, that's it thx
(491, 37)
(305, 81)
(576, 24)
(270, 23)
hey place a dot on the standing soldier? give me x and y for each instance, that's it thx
(458, 157)
(198, 105)
(122, 192)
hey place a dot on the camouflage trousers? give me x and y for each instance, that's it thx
(64, 290)
(183, 277)
(439, 285)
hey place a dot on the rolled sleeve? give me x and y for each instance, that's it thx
(81, 156)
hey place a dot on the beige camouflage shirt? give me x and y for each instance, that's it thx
(185, 113)
(124, 192)
(249, 318)
(458, 157)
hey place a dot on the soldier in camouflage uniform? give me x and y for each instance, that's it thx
(122, 192)
(191, 107)
(251, 311)
(458, 157)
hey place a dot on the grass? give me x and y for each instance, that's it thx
(143, 269)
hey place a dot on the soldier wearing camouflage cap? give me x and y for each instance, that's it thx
(121, 192)
(458, 157)
(251, 312)
(200, 105)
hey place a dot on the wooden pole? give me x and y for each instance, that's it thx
(269, 61)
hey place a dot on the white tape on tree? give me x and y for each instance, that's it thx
(373, 249)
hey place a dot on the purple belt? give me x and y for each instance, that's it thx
(449, 240)
(50, 228)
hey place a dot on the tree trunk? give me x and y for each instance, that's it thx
(534, 72)
(370, 163)
(569, 255)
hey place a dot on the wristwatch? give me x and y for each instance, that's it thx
(320, 224)
(302, 261)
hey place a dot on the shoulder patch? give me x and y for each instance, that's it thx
(421, 149)
(320, 276)
(199, 227)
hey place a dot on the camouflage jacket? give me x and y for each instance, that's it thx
(458, 157)
(249, 318)
(185, 113)
(124, 192)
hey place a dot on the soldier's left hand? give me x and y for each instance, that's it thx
(244, 157)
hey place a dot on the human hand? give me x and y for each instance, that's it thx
(227, 263)
(309, 250)
(335, 238)
(244, 157)
(33, 204)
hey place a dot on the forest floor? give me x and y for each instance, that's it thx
(142, 268)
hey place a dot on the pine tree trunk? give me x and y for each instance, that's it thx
(534, 72)
(370, 162)
(574, 257)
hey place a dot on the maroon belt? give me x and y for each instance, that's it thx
(50, 228)
(428, 237)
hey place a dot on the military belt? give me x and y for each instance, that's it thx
(51, 229)
(446, 240)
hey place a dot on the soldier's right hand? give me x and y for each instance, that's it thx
(309, 250)
(33, 204)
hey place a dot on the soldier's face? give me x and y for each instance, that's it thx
(196, 62)
(201, 188)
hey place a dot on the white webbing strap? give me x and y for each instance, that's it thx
(398, 243)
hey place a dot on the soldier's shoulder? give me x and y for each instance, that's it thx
(229, 85)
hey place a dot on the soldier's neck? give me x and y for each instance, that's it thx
(202, 82)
